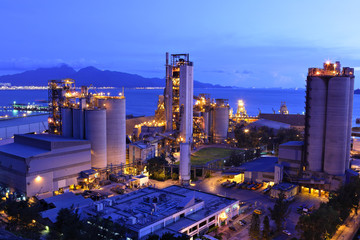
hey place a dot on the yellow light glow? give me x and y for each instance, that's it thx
(223, 216)
(246, 130)
(327, 62)
(38, 179)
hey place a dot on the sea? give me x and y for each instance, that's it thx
(143, 102)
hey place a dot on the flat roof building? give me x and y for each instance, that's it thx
(173, 209)
(42, 163)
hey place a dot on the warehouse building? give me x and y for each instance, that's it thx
(173, 209)
(42, 163)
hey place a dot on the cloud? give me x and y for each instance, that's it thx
(245, 72)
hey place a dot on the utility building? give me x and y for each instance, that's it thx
(179, 106)
(328, 119)
(42, 163)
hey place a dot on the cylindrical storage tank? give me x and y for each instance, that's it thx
(337, 125)
(351, 102)
(78, 123)
(220, 123)
(95, 132)
(185, 165)
(67, 122)
(316, 114)
(116, 130)
(206, 116)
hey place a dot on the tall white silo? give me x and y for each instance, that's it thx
(95, 132)
(116, 130)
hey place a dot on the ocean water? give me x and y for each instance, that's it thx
(141, 102)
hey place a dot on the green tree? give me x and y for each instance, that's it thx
(68, 225)
(254, 230)
(236, 158)
(280, 211)
(320, 224)
(266, 229)
(23, 218)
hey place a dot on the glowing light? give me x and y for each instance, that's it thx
(327, 62)
(223, 216)
(241, 103)
(246, 130)
(38, 178)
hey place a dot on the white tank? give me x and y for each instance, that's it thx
(185, 165)
(116, 130)
(67, 122)
(78, 123)
(316, 114)
(220, 123)
(337, 125)
(351, 101)
(95, 132)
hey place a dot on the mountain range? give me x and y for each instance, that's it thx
(88, 76)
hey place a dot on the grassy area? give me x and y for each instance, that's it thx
(208, 154)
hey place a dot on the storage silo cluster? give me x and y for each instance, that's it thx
(99, 119)
(328, 119)
(214, 116)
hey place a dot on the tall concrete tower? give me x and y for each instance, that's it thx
(328, 119)
(179, 93)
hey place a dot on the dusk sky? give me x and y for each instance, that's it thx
(238, 43)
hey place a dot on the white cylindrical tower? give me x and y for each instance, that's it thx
(95, 132)
(67, 122)
(220, 121)
(116, 130)
(185, 165)
(316, 115)
(337, 125)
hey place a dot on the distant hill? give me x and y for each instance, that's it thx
(357, 91)
(88, 76)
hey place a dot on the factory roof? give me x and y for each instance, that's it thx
(149, 205)
(262, 164)
(130, 123)
(293, 143)
(269, 123)
(23, 120)
(24, 145)
(284, 186)
(292, 119)
(21, 150)
(66, 200)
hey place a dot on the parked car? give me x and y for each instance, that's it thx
(258, 211)
(242, 222)
(232, 228)
(286, 232)
(232, 184)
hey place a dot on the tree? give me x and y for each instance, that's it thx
(236, 158)
(320, 224)
(254, 231)
(266, 229)
(23, 218)
(280, 211)
(67, 226)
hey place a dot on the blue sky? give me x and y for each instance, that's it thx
(240, 43)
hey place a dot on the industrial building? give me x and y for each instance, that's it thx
(40, 163)
(321, 162)
(94, 117)
(173, 209)
(329, 101)
(178, 103)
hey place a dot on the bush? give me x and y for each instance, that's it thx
(175, 176)
(208, 174)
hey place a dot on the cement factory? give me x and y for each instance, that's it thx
(89, 139)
